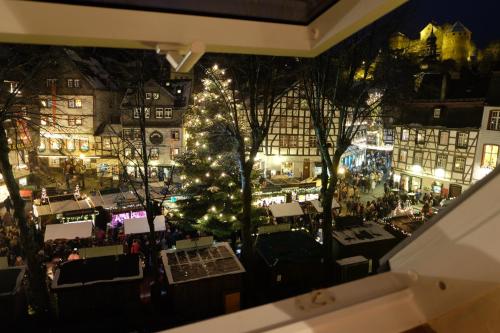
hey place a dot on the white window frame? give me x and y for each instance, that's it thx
(159, 113)
(459, 134)
(69, 83)
(76, 83)
(494, 120)
(147, 112)
(136, 113)
(437, 113)
(148, 95)
(167, 113)
(156, 95)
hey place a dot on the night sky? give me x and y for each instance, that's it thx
(479, 16)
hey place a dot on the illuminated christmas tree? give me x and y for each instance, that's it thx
(209, 166)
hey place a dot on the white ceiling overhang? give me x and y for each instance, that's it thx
(178, 35)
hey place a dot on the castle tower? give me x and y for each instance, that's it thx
(457, 44)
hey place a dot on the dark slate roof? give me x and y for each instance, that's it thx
(493, 95)
(465, 85)
(454, 114)
(92, 70)
(290, 246)
(459, 27)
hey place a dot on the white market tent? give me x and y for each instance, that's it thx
(286, 209)
(317, 205)
(139, 225)
(68, 231)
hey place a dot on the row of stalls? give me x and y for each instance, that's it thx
(203, 279)
(75, 208)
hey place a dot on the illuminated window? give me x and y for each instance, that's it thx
(159, 113)
(168, 113)
(46, 102)
(420, 139)
(106, 143)
(74, 121)
(148, 95)
(55, 144)
(437, 113)
(154, 153)
(405, 134)
(78, 103)
(462, 139)
(459, 165)
(441, 161)
(490, 156)
(443, 137)
(156, 95)
(128, 152)
(84, 144)
(174, 152)
(403, 155)
(70, 144)
(494, 121)
(42, 147)
(418, 158)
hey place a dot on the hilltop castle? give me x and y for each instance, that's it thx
(444, 42)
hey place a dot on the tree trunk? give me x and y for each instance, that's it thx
(246, 220)
(38, 288)
(328, 191)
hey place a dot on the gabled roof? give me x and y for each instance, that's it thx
(92, 70)
(459, 27)
(453, 114)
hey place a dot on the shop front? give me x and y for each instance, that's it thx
(410, 183)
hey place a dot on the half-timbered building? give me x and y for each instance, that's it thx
(435, 144)
(291, 146)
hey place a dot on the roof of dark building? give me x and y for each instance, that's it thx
(457, 85)
(289, 246)
(92, 70)
(453, 113)
(493, 94)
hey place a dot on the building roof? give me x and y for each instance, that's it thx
(288, 246)
(453, 113)
(184, 265)
(92, 70)
(459, 27)
(493, 94)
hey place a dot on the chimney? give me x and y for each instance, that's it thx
(444, 84)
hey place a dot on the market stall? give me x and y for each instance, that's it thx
(93, 286)
(139, 225)
(12, 299)
(204, 280)
(368, 239)
(289, 263)
(68, 231)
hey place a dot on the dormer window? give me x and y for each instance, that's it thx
(156, 95)
(437, 113)
(148, 95)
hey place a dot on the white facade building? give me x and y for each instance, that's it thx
(488, 146)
